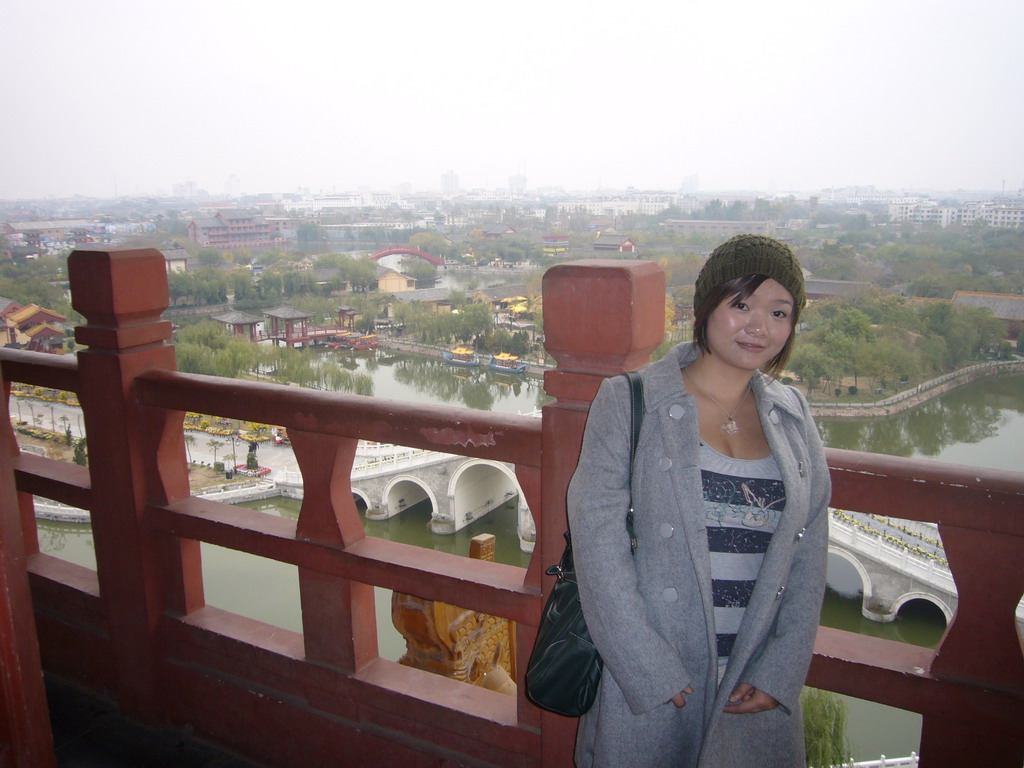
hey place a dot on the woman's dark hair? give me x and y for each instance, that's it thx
(735, 291)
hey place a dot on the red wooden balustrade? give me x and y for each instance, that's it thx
(138, 627)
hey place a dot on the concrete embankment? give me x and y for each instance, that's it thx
(228, 494)
(911, 398)
(425, 350)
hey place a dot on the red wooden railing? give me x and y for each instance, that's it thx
(138, 627)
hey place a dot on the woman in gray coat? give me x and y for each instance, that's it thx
(706, 630)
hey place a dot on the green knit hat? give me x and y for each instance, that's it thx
(744, 255)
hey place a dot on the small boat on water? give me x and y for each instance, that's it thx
(463, 356)
(366, 341)
(339, 341)
(507, 363)
(356, 341)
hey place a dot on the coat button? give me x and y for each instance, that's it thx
(800, 534)
(670, 595)
(676, 411)
(773, 416)
(666, 531)
(665, 463)
(779, 593)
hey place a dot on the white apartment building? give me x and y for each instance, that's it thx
(317, 204)
(646, 204)
(1000, 215)
(924, 212)
(865, 196)
(995, 214)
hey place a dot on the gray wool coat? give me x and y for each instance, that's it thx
(651, 615)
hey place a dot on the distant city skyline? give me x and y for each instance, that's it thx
(234, 190)
(118, 98)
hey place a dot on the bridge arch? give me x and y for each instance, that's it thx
(858, 566)
(947, 612)
(437, 261)
(361, 500)
(401, 493)
(868, 588)
(477, 487)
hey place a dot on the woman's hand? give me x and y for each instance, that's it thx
(746, 699)
(679, 700)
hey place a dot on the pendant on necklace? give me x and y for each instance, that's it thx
(729, 427)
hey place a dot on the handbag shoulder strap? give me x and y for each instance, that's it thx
(636, 420)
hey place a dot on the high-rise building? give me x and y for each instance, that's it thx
(517, 185)
(690, 184)
(449, 184)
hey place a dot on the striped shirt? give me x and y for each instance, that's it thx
(743, 501)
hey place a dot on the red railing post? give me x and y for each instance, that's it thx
(601, 317)
(339, 622)
(25, 738)
(122, 294)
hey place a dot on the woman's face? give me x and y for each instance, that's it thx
(748, 333)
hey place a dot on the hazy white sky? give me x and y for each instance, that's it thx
(136, 96)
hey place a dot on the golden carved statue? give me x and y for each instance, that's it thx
(476, 648)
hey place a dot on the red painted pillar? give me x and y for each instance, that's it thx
(122, 294)
(25, 738)
(339, 622)
(601, 317)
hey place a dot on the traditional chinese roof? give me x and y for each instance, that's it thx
(44, 329)
(36, 226)
(26, 314)
(501, 292)
(237, 318)
(8, 305)
(498, 230)
(424, 294)
(815, 287)
(1005, 306)
(287, 313)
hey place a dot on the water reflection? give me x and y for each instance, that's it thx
(478, 388)
(69, 541)
(966, 416)
(412, 526)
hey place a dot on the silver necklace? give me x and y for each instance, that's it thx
(729, 426)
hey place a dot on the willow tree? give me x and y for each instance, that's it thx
(824, 729)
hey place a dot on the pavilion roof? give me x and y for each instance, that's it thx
(1005, 306)
(237, 318)
(287, 313)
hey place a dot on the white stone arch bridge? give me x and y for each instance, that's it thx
(460, 489)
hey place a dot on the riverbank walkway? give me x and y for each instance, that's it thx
(918, 394)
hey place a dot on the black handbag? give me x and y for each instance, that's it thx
(564, 670)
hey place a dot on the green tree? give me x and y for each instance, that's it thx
(180, 287)
(242, 286)
(419, 270)
(214, 446)
(825, 737)
(810, 363)
(361, 274)
(474, 319)
(309, 232)
(431, 242)
(209, 256)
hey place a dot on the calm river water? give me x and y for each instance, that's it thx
(980, 424)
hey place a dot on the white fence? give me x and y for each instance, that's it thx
(902, 560)
(888, 762)
(991, 366)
